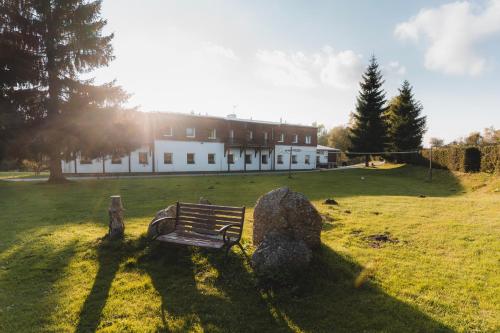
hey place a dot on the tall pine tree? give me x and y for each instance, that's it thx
(406, 125)
(368, 133)
(50, 44)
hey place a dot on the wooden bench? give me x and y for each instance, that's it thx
(205, 226)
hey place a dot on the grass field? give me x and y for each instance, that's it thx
(442, 275)
(22, 174)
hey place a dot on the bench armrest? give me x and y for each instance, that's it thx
(223, 231)
(157, 224)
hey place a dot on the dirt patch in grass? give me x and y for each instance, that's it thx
(377, 240)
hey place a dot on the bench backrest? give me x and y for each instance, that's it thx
(208, 219)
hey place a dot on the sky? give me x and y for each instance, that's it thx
(301, 61)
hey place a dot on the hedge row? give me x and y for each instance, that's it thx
(490, 158)
(464, 159)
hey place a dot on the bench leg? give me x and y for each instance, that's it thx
(242, 249)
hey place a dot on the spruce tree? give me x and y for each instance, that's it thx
(368, 130)
(51, 43)
(406, 125)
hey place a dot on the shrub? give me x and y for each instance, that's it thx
(465, 159)
(490, 158)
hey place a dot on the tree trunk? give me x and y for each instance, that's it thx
(56, 175)
(367, 160)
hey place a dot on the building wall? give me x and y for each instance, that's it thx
(135, 166)
(301, 152)
(180, 149)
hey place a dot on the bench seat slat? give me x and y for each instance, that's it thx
(191, 239)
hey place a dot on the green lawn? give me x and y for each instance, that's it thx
(22, 174)
(443, 274)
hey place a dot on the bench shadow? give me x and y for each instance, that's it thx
(199, 290)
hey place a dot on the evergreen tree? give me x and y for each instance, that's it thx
(368, 130)
(406, 126)
(47, 45)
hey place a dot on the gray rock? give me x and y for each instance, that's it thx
(204, 201)
(165, 226)
(289, 213)
(279, 259)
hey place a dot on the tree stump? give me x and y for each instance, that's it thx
(116, 225)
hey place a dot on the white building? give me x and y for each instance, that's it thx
(192, 143)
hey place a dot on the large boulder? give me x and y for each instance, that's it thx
(289, 213)
(279, 259)
(165, 226)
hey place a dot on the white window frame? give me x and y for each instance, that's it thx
(281, 137)
(308, 139)
(295, 138)
(231, 134)
(265, 136)
(249, 158)
(266, 158)
(294, 159)
(171, 132)
(307, 159)
(208, 158)
(194, 132)
(171, 158)
(143, 153)
(279, 159)
(212, 134)
(250, 135)
(194, 158)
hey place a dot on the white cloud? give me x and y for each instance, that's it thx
(453, 32)
(395, 67)
(341, 70)
(219, 50)
(284, 69)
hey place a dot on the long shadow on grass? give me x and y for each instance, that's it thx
(109, 255)
(198, 290)
(27, 278)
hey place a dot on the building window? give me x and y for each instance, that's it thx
(211, 158)
(250, 135)
(167, 158)
(294, 159)
(295, 138)
(85, 160)
(281, 137)
(317, 160)
(307, 159)
(308, 139)
(190, 158)
(115, 159)
(280, 159)
(264, 159)
(230, 158)
(231, 134)
(265, 136)
(168, 132)
(190, 132)
(212, 134)
(143, 158)
(248, 158)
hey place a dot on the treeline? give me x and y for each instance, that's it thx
(378, 125)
